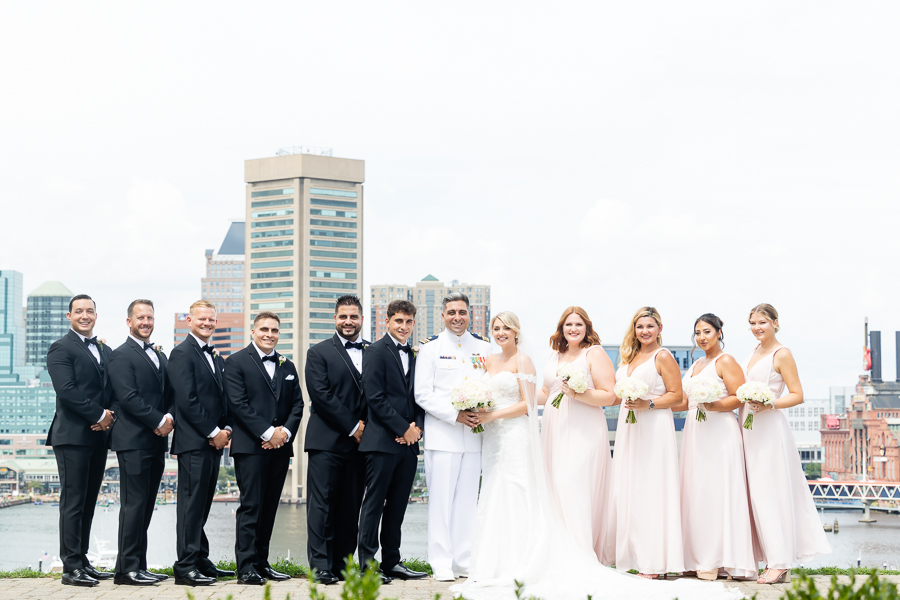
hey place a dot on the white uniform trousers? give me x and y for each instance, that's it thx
(452, 479)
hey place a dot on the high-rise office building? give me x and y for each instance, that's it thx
(229, 335)
(304, 236)
(46, 320)
(428, 295)
(12, 326)
(224, 281)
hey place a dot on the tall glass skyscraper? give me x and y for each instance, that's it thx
(46, 319)
(12, 326)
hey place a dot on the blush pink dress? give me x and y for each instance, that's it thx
(575, 440)
(715, 513)
(645, 483)
(785, 517)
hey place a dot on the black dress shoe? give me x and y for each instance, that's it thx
(158, 576)
(99, 575)
(251, 578)
(384, 578)
(79, 577)
(326, 577)
(220, 573)
(270, 573)
(134, 578)
(400, 571)
(195, 577)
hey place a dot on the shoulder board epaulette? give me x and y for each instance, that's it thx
(426, 340)
(478, 337)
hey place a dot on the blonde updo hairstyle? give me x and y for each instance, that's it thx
(509, 319)
(631, 345)
(768, 311)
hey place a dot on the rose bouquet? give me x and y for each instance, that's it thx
(631, 388)
(755, 391)
(471, 394)
(572, 375)
(703, 390)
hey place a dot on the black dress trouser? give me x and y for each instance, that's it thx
(260, 478)
(389, 479)
(80, 476)
(140, 472)
(198, 472)
(334, 483)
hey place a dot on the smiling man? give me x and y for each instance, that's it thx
(266, 401)
(201, 411)
(78, 365)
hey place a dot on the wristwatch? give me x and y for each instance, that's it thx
(652, 406)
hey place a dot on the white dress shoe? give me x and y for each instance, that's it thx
(444, 576)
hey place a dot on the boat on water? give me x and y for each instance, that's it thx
(38, 502)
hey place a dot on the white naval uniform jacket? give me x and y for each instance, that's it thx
(440, 365)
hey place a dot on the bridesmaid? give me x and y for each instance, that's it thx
(715, 513)
(647, 500)
(575, 437)
(784, 514)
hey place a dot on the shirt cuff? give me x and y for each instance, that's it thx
(214, 433)
(288, 432)
(267, 434)
(354, 430)
(161, 423)
(103, 416)
(228, 428)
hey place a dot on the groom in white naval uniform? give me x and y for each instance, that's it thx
(452, 451)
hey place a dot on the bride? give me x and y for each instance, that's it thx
(520, 536)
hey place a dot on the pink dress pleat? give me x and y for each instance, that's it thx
(575, 440)
(784, 515)
(715, 512)
(646, 486)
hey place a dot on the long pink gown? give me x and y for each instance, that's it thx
(575, 440)
(715, 513)
(785, 517)
(645, 483)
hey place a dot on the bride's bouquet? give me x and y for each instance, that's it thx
(703, 390)
(471, 394)
(572, 375)
(631, 388)
(755, 391)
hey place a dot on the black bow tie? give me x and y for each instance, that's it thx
(272, 357)
(148, 346)
(405, 348)
(357, 345)
(90, 341)
(209, 349)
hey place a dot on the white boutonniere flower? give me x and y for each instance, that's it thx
(157, 348)
(281, 360)
(415, 351)
(215, 353)
(366, 346)
(101, 342)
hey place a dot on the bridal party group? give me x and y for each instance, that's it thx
(735, 497)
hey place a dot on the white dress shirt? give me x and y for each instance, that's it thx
(270, 369)
(212, 367)
(404, 356)
(95, 351)
(155, 358)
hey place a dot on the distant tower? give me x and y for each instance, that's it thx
(12, 325)
(46, 319)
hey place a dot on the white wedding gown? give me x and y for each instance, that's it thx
(519, 533)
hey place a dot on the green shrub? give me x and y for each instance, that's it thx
(873, 588)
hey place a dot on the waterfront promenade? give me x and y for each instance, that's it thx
(14, 589)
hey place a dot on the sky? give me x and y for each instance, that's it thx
(693, 156)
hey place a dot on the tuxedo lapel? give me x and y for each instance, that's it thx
(254, 356)
(279, 378)
(200, 353)
(395, 351)
(342, 352)
(142, 352)
(84, 348)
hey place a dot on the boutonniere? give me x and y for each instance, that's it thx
(157, 348)
(101, 342)
(366, 346)
(215, 353)
(281, 360)
(415, 351)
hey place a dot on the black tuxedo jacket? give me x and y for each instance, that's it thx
(143, 397)
(390, 397)
(200, 398)
(82, 392)
(336, 400)
(255, 406)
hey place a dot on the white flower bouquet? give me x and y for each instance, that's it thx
(755, 391)
(572, 375)
(471, 394)
(703, 390)
(631, 388)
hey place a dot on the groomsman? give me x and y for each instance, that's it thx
(78, 365)
(201, 411)
(390, 443)
(452, 452)
(266, 401)
(137, 370)
(336, 469)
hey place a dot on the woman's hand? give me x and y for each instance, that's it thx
(484, 417)
(757, 407)
(637, 404)
(569, 392)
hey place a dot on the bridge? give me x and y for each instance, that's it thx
(867, 492)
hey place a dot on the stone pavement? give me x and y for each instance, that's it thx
(15, 589)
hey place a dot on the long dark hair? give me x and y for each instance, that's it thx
(714, 322)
